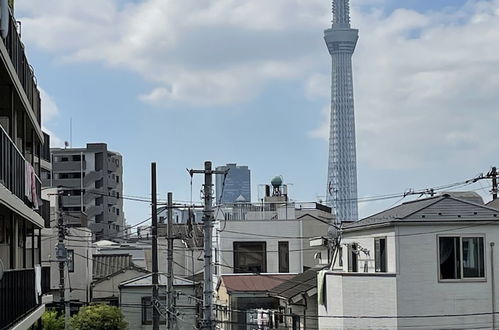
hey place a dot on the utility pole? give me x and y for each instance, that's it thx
(208, 314)
(170, 303)
(493, 174)
(61, 254)
(155, 295)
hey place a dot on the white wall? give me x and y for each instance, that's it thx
(419, 290)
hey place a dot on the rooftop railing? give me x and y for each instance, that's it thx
(24, 71)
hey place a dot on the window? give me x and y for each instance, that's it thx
(117, 179)
(283, 257)
(147, 310)
(353, 265)
(380, 255)
(340, 257)
(461, 257)
(2, 229)
(71, 263)
(250, 257)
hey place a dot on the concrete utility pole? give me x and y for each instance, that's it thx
(170, 303)
(155, 295)
(208, 314)
(61, 254)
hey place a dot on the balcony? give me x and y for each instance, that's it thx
(17, 296)
(25, 74)
(13, 170)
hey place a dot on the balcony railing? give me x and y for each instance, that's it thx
(13, 169)
(17, 296)
(24, 71)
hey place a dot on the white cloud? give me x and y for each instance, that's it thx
(425, 83)
(50, 111)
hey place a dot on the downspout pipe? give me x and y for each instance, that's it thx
(4, 18)
(493, 285)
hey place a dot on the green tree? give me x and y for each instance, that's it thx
(98, 317)
(51, 321)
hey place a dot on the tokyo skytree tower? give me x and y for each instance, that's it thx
(342, 164)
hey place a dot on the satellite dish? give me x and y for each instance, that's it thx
(1, 269)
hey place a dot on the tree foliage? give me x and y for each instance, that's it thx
(51, 321)
(98, 317)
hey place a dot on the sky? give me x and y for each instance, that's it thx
(247, 82)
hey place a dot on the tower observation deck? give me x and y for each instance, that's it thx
(341, 40)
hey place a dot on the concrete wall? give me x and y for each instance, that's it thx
(109, 287)
(421, 293)
(80, 241)
(350, 294)
(131, 298)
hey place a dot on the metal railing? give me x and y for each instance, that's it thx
(13, 169)
(24, 71)
(17, 296)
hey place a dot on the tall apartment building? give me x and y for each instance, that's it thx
(21, 209)
(92, 181)
(237, 183)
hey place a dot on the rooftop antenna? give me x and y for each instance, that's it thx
(71, 132)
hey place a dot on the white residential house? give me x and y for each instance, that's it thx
(272, 237)
(429, 262)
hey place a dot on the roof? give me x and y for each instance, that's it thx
(300, 283)
(444, 208)
(253, 282)
(107, 264)
(146, 280)
(493, 203)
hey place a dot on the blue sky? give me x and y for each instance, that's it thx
(247, 81)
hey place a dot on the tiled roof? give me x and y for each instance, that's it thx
(439, 208)
(253, 282)
(108, 264)
(299, 284)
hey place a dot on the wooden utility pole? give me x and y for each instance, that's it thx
(154, 227)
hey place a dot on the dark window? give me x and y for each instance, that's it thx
(250, 257)
(380, 254)
(340, 257)
(2, 229)
(99, 183)
(117, 211)
(147, 310)
(117, 179)
(71, 263)
(461, 257)
(283, 257)
(353, 265)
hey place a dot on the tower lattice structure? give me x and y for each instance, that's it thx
(341, 40)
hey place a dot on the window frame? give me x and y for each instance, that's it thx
(235, 254)
(280, 251)
(385, 256)
(462, 278)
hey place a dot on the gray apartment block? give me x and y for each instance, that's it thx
(92, 180)
(237, 183)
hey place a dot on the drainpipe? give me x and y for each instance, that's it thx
(493, 287)
(4, 18)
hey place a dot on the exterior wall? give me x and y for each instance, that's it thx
(258, 230)
(131, 299)
(80, 241)
(312, 227)
(109, 288)
(358, 294)
(365, 239)
(418, 283)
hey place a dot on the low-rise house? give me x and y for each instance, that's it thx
(108, 272)
(77, 269)
(136, 302)
(240, 296)
(429, 262)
